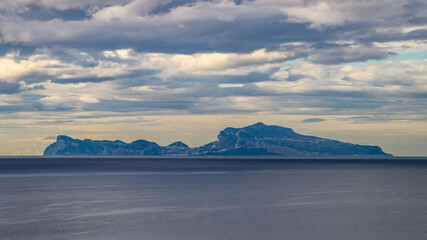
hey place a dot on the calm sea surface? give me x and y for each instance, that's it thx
(158, 198)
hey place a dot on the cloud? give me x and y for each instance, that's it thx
(50, 138)
(133, 9)
(9, 88)
(72, 66)
(322, 14)
(222, 88)
(387, 87)
(261, 81)
(208, 26)
(61, 67)
(403, 46)
(59, 4)
(401, 75)
(313, 120)
(346, 54)
(36, 12)
(217, 63)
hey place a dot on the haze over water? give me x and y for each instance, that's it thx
(157, 198)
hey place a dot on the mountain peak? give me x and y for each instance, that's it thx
(178, 144)
(63, 137)
(262, 130)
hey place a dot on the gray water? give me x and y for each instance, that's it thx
(132, 198)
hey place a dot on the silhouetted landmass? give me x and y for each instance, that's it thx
(257, 139)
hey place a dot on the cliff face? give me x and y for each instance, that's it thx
(257, 139)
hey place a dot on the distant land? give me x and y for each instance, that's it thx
(258, 139)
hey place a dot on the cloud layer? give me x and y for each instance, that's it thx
(365, 60)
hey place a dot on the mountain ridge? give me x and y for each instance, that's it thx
(257, 139)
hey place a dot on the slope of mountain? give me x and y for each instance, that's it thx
(257, 139)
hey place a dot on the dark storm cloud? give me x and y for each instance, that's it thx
(82, 79)
(34, 77)
(70, 56)
(294, 77)
(36, 12)
(162, 9)
(416, 12)
(16, 108)
(241, 35)
(244, 33)
(13, 87)
(24, 51)
(9, 88)
(372, 36)
(420, 95)
(416, 34)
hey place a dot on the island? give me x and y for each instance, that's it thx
(255, 140)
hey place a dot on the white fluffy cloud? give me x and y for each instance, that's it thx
(329, 13)
(403, 46)
(42, 67)
(386, 79)
(216, 63)
(119, 63)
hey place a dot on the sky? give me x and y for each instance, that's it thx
(169, 70)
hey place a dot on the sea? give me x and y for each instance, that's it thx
(120, 198)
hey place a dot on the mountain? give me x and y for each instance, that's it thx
(257, 139)
(261, 139)
(65, 145)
